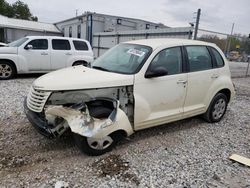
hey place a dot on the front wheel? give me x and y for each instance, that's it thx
(216, 109)
(7, 70)
(92, 146)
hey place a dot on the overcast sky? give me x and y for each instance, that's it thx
(217, 15)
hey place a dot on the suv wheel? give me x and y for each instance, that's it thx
(80, 63)
(7, 70)
(216, 109)
(92, 146)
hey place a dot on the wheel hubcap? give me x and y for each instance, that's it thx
(100, 144)
(5, 71)
(219, 109)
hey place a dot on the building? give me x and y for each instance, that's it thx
(85, 25)
(12, 29)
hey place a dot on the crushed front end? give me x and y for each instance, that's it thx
(91, 113)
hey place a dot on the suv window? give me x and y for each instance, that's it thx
(170, 58)
(80, 45)
(60, 44)
(219, 60)
(39, 44)
(199, 58)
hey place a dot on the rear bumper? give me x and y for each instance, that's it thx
(38, 122)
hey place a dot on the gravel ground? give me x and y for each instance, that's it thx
(187, 153)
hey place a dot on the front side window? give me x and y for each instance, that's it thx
(124, 58)
(219, 60)
(60, 44)
(39, 44)
(199, 58)
(170, 59)
(80, 45)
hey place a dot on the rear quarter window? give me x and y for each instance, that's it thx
(80, 45)
(219, 59)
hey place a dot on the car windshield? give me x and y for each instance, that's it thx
(18, 42)
(124, 58)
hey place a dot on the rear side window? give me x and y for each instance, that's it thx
(39, 44)
(80, 45)
(170, 59)
(219, 60)
(60, 44)
(199, 58)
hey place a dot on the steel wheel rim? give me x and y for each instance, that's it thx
(100, 144)
(219, 109)
(5, 71)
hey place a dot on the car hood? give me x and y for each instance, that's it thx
(8, 50)
(80, 77)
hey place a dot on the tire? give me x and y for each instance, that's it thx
(84, 144)
(83, 63)
(7, 70)
(216, 109)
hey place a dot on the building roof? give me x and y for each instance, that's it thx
(106, 15)
(27, 25)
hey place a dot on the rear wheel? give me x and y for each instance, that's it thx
(7, 70)
(93, 146)
(217, 108)
(84, 63)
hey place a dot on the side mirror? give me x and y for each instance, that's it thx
(156, 72)
(28, 47)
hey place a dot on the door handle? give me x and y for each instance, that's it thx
(68, 54)
(215, 76)
(44, 53)
(181, 81)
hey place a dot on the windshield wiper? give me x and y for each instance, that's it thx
(100, 68)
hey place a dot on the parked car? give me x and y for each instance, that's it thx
(133, 86)
(40, 54)
(2, 44)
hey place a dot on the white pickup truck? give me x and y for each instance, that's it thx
(40, 54)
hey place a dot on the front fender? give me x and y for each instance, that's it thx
(11, 57)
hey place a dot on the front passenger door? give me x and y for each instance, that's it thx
(160, 99)
(37, 55)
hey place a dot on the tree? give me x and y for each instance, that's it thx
(236, 40)
(18, 10)
(214, 39)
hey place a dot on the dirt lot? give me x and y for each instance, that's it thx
(188, 153)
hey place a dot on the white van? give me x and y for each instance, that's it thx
(133, 86)
(40, 54)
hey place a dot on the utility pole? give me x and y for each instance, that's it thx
(230, 38)
(197, 23)
(76, 12)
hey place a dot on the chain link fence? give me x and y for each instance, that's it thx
(235, 47)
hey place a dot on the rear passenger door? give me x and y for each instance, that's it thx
(61, 52)
(202, 74)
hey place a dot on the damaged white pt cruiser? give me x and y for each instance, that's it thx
(133, 86)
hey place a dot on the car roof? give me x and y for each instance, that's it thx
(54, 37)
(155, 43)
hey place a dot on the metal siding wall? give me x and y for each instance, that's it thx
(105, 40)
